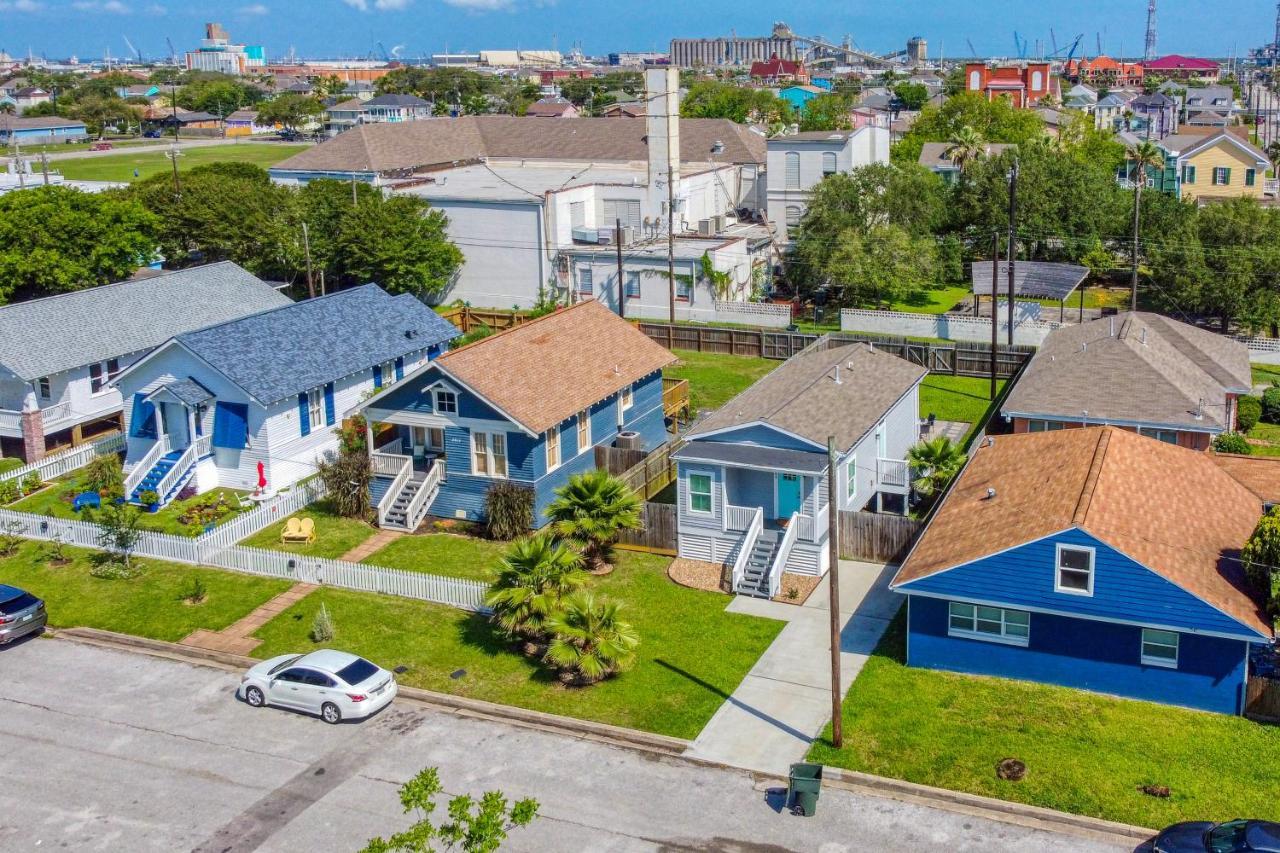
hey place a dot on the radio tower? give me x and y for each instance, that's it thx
(1149, 51)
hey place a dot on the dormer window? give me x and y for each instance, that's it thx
(1075, 570)
(446, 402)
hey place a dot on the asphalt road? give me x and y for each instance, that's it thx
(107, 750)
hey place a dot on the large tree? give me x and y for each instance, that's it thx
(995, 121)
(398, 242)
(713, 99)
(55, 239)
(827, 112)
(884, 265)
(291, 110)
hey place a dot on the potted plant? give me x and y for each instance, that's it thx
(150, 500)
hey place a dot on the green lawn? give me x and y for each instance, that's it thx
(957, 398)
(150, 605)
(1265, 374)
(442, 554)
(335, 536)
(935, 300)
(692, 652)
(1085, 753)
(8, 463)
(714, 378)
(56, 501)
(147, 163)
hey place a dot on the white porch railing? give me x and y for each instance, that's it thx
(1271, 186)
(389, 465)
(811, 528)
(174, 474)
(893, 473)
(9, 419)
(418, 506)
(145, 464)
(783, 554)
(391, 448)
(754, 529)
(737, 517)
(56, 412)
(67, 461)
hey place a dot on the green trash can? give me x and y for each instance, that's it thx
(802, 793)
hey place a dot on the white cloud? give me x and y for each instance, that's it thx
(380, 5)
(157, 9)
(480, 5)
(254, 10)
(20, 6)
(362, 5)
(114, 7)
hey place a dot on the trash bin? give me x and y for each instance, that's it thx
(802, 793)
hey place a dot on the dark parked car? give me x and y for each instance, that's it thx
(21, 613)
(1234, 836)
(153, 134)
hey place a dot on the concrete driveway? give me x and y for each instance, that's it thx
(785, 700)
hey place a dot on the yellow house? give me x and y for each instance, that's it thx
(1216, 165)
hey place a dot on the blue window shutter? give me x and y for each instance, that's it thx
(328, 404)
(143, 421)
(304, 417)
(231, 425)
(399, 369)
(377, 376)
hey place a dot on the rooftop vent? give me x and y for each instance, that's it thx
(991, 493)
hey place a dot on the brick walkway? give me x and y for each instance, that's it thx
(238, 638)
(376, 542)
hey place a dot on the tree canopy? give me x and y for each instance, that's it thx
(995, 121)
(714, 99)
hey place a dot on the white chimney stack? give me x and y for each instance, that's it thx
(662, 124)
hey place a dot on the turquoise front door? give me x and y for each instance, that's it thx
(789, 495)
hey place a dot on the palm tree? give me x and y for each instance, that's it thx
(534, 577)
(591, 510)
(936, 461)
(7, 108)
(1141, 156)
(966, 146)
(590, 642)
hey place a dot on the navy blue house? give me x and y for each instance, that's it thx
(528, 405)
(1094, 558)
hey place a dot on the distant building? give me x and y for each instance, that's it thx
(934, 157)
(776, 70)
(1104, 71)
(1203, 166)
(1154, 116)
(1024, 84)
(799, 96)
(917, 50)
(552, 108)
(42, 130)
(797, 163)
(716, 52)
(217, 53)
(344, 115)
(1177, 67)
(396, 108)
(245, 123)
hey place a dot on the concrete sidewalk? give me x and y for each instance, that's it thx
(785, 700)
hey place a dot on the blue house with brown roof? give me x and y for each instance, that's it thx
(528, 406)
(1092, 558)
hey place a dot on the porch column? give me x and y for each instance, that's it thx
(368, 433)
(191, 424)
(77, 435)
(33, 449)
(160, 424)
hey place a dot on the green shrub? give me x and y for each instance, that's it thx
(508, 510)
(104, 474)
(148, 498)
(1231, 442)
(1260, 555)
(32, 483)
(1248, 413)
(1271, 405)
(9, 491)
(197, 592)
(322, 627)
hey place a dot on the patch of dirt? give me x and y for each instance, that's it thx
(697, 574)
(804, 585)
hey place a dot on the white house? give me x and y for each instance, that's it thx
(753, 489)
(799, 161)
(59, 355)
(210, 406)
(396, 108)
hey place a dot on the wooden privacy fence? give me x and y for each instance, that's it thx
(1262, 699)
(618, 460)
(762, 343)
(651, 474)
(658, 535)
(467, 318)
(876, 537)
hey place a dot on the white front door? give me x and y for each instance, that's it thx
(419, 441)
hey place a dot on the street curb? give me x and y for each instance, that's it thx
(669, 748)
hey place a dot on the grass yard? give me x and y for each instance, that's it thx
(957, 398)
(1085, 753)
(692, 652)
(335, 535)
(714, 378)
(56, 501)
(1265, 374)
(935, 300)
(149, 605)
(9, 463)
(442, 554)
(147, 163)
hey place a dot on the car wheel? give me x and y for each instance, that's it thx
(254, 697)
(330, 714)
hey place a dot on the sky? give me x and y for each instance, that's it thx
(353, 28)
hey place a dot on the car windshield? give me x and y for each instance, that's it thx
(15, 605)
(357, 671)
(283, 664)
(1228, 837)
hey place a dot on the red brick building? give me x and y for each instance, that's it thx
(1105, 71)
(1024, 84)
(775, 70)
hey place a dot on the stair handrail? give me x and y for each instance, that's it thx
(144, 465)
(783, 552)
(397, 484)
(417, 507)
(174, 474)
(754, 529)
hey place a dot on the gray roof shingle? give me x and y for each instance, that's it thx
(57, 333)
(303, 345)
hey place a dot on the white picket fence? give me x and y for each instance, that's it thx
(56, 465)
(248, 523)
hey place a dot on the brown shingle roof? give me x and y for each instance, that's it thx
(547, 370)
(803, 398)
(422, 144)
(1258, 474)
(1134, 368)
(1171, 509)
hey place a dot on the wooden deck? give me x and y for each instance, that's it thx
(675, 398)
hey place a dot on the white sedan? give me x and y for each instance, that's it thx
(335, 685)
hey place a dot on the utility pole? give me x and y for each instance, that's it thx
(44, 166)
(306, 246)
(173, 155)
(671, 231)
(17, 163)
(995, 288)
(833, 605)
(1013, 238)
(622, 288)
(173, 92)
(1137, 211)
(354, 201)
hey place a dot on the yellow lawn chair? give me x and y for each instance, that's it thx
(298, 531)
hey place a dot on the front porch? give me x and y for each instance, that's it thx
(408, 468)
(167, 439)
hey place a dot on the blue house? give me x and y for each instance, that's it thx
(528, 406)
(1093, 558)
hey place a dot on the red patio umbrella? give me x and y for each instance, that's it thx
(262, 476)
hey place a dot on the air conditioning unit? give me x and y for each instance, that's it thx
(628, 235)
(584, 234)
(717, 223)
(629, 439)
(706, 227)
(604, 236)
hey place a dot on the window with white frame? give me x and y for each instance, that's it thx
(995, 624)
(700, 493)
(101, 373)
(793, 170)
(584, 430)
(46, 389)
(315, 408)
(627, 398)
(1168, 436)
(684, 286)
(851, 477)
(387, 372)
(489, 454)
(1074, 571)
(446, 402)
(1221, 176)
(828, 163)
(553, 448)
(1159, 648)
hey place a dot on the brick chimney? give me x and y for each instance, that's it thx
(32, 430)
(662, 122)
